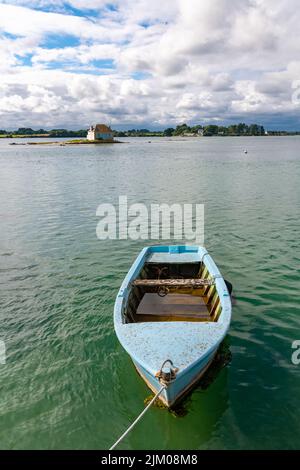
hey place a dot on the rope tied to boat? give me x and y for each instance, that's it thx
(166, 377)
(162, 291)
(165, 380)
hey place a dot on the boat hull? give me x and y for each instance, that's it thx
(189, 346)
(181, 386)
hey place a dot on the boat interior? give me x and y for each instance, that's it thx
(173, 292)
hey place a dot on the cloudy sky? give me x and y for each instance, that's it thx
(141, 63)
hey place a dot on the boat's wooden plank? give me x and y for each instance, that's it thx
(182, 305)
(205, 273)
(210, 293)
(173, 282)
(217, 311)
(160, 257)
(213, 302)
(172, 318)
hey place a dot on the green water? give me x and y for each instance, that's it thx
(67, 383)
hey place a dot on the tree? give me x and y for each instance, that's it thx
(181, 129)
(25, 131)
(232, 130)
(211, 130)
(255, 129)
(169, 132)
(222, 130)
(242, 128)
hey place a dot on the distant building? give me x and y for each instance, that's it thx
(100, 132)
(200, 132)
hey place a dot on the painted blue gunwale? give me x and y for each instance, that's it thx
(189, 345)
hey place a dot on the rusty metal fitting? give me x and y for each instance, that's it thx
(167, 374)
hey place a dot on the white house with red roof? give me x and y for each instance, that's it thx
(100, 132)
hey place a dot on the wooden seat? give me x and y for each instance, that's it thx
(194, 283)
(172, 307)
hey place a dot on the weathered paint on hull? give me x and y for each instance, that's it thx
(182, 385)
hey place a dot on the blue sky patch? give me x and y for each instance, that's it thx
(58, 41)
(9, 36)
(25, 59)
(94, 67)
(103, 63)
(145, 24)
(85, 12)
(64, 8)
(140, 75)
(111, 7)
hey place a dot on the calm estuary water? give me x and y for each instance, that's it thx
(67, 383)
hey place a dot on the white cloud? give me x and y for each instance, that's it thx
(135, 61)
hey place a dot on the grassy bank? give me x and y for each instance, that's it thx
(72, 142)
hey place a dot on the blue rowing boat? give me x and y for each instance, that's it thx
(171, 314)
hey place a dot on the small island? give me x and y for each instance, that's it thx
(98, 134)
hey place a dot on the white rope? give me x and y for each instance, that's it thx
(138, 418)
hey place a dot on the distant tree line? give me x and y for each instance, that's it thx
(234, 129)
(27, 131)
(66, 133)
(209, 130)
(240, 129)
(137, 133)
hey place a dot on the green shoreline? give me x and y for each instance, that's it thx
(181, 130)
(72, 142)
